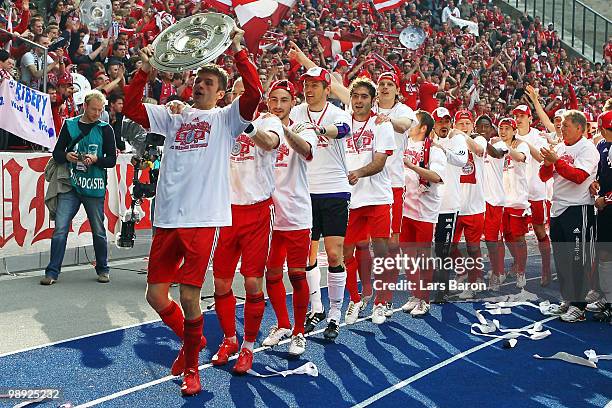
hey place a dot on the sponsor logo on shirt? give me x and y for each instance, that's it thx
(413, 155)
(567, 158)
(322, 141)
(241, 150)
(281, 155)
(192, 135)
(359, 143)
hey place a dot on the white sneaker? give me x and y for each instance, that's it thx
(573, 315)
(378, 314)
(467, 294)
(364, 302)
(559, 309)
(521, 280)
(276, 335)
(494, 282)
(421, 309)
(597, 306)
(592, 296)
(298, 345)
(411, 304)
(388, 309)
(352, 313)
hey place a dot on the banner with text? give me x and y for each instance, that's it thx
(26, 113)
(25, 226)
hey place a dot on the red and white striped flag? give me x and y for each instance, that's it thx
(385, 5)
(332, 46)
(257, 16)
(224, 6)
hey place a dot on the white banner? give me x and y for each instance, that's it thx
(25, 226)
(472, 26)
(26, 113)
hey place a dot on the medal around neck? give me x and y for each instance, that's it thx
(192, 42)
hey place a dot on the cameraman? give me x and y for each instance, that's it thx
(88, 145)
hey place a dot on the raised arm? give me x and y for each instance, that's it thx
(253, 90)
(133, 107)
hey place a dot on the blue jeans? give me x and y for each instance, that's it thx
(68, 205)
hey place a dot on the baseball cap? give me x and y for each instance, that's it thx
(521, 110)
(317, 74)
(559, 113)
(507, 121)
(605, 120)
(391, 76)
(440, 113)
(464, 114)
(284, 85)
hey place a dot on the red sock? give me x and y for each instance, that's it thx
(475, 272)
(389, 276)
(364, 266)
(511, 246)
(173, 317)
(225, 306)
(253, 312)
(497, 264)
(276, 291)
(350, 264)
(191, 346)
(300, 300)
(544, 247)
(425, 277)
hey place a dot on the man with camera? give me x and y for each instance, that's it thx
(193, 193)
(88, 145)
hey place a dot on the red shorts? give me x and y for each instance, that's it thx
(294, 246)
(516, 224)
(372, 221)
(416, 231)
(493, 223)
(472, 226)
(538, 212)
(396, 210)
(193, 247)
(249, 237)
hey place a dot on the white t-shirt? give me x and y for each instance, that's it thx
(516, 184)
(419, 204)
(365, 140)
(292, 207)
(328, 172)
(456, 157)
(193, 189)
(31, 58)
(252, 168)
(537, 188)
(472, 182)
(494, 179)
(582, 155)
(394, 163)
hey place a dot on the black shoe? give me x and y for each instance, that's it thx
(331, 331)
(605, 316)
(312, 319)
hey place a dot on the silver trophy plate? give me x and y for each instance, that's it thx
(81, 88)
(192, 42)
(412, 37)
(97, 15)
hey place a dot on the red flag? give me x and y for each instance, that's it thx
(385, 5)
(332, 46)
(256, 16)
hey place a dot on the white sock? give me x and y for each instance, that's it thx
(313, 277)
(605, 279)
(248, 345)
(336, 283)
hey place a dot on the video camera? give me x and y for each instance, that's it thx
(143, 159)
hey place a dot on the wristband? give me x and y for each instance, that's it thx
(250, 130)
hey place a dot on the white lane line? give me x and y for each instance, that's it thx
(200, 368)
(436, 367)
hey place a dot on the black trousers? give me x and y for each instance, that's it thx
(573, 240)
(443, 240)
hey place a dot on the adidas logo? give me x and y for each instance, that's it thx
(577, 231)
(448, 226)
